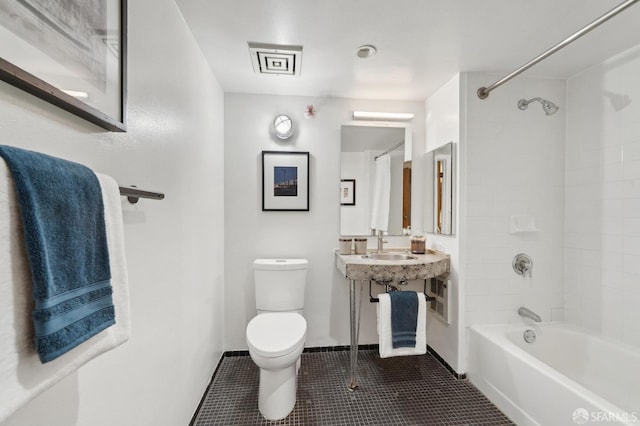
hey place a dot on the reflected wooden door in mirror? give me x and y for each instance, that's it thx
(406, 195)
(439, 190)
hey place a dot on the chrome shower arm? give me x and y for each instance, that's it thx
(548, 107)
(523, 103)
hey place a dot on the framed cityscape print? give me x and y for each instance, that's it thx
(285, 181)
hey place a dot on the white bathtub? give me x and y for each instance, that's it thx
(565, 377)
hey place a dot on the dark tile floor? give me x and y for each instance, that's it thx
(415, 390)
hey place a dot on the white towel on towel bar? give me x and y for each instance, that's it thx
(384, 328)
(22, 375)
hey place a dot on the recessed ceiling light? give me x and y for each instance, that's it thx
(366, 51)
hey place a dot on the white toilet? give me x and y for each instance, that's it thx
(276, 335)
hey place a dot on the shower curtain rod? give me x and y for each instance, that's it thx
(483, 92)
(389, 150)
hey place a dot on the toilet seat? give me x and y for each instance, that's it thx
(275, 334)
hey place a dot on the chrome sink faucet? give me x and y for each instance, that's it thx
(381, 241)
(528, 313)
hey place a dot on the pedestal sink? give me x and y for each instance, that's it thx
(386, 267)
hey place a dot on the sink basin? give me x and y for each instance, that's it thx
(388, 256)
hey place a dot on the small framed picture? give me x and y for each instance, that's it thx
(285, 181)
(348, 192)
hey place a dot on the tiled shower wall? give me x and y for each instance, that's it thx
(514, 166)
(602, 224)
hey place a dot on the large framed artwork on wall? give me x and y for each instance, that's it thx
(69, 53)
(285, 181)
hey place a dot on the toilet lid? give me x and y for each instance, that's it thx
(275, 334)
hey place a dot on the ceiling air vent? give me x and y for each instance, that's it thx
(275, 58)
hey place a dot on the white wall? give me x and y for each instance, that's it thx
(252, 233)
(443, 126)
(603, 198)
(174, 247)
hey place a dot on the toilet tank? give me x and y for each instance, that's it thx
(280, 284)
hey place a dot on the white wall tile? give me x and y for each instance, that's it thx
(613, 154)
(603, 200)
(631, 282)
(631, 207)
(631, 130)
(612, 315)
(631, 150)
(631, 226)
(631, 325)
(516, 175)
(630, 188)
(631, 170)
(631, 264)
(631, 245)
(558, 314)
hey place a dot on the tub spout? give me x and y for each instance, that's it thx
(528, 313)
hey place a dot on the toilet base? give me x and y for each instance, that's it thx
(277, 392)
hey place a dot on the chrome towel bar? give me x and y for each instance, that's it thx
(133, 194)
(387, 284)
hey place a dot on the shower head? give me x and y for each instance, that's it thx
(548, 107)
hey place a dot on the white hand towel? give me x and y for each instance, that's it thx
(22, 375)
(381, 193)
(384, 328)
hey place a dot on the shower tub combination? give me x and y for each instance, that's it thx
(564, 376)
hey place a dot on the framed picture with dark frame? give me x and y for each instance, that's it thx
(347, 192)
(71, 54)
(285, 181)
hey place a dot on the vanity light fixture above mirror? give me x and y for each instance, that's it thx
(384, 116)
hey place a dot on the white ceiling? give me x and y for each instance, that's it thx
(421, 43)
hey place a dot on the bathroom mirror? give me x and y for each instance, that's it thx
(439, 186)
(360, 145)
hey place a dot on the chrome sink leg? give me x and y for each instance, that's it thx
(353, 353)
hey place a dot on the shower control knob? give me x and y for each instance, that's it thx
(522, 264)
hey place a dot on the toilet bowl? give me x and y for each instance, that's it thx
(276, 341)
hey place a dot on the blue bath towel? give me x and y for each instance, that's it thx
(404, 318)
(65, 238)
